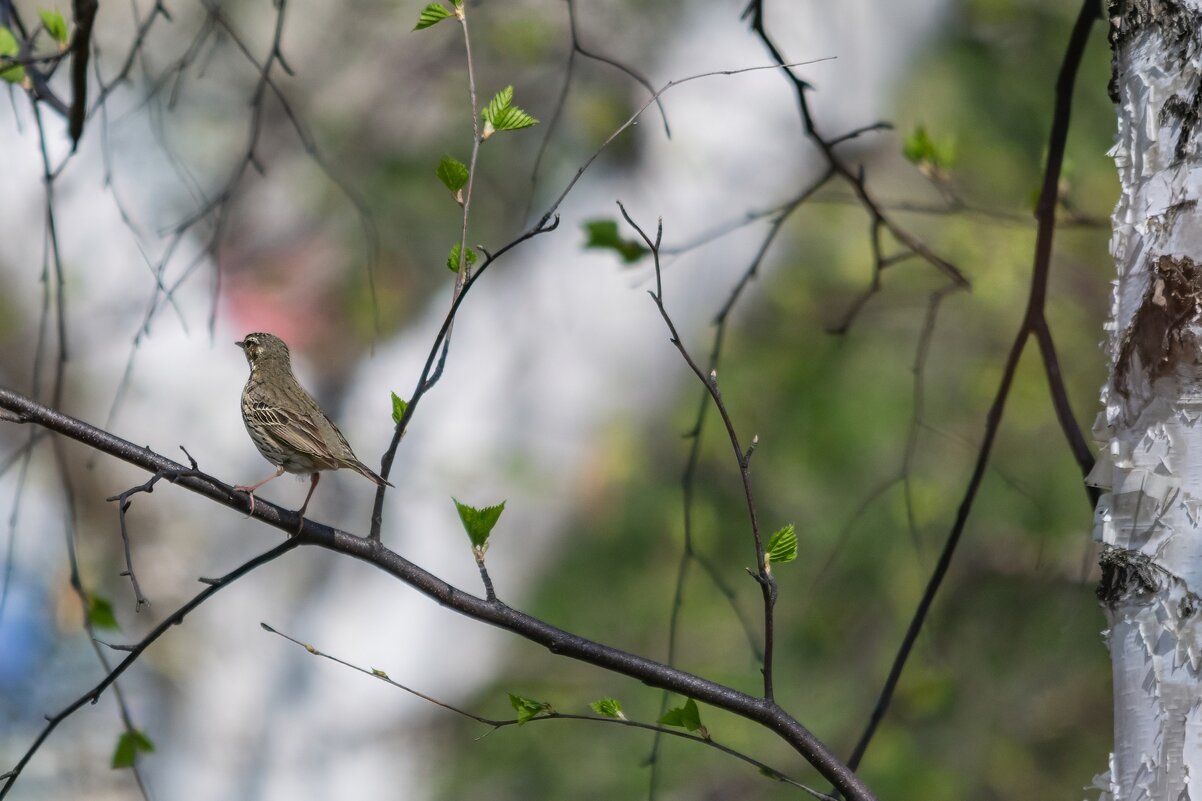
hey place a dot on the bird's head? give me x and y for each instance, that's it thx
(264, 349)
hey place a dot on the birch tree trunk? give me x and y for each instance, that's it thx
(1149, 520)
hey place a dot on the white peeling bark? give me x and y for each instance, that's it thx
(1148, 519)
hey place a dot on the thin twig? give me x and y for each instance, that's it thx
(762, 574)
(551, 714)
(1033, 319)
(135, 651)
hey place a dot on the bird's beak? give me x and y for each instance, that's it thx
(241, 344)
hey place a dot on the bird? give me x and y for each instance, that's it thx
(286, 424)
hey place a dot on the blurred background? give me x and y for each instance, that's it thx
(562, 396)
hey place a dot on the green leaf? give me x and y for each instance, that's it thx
(100, 613)
(919, 148)
(452, 173)
(55, 25)
(398, 408)
(512, 118)
(782, 546)
(527, 708)
(13, 73)
(499, 103)
(685, 717)
(431, 15)
(603, 234)
(609, 707)
(502, 115)
(453, 259)
(128, 745)
(479, 522)
(379, 674)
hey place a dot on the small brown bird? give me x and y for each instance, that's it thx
(286, 424)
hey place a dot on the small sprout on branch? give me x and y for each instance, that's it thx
(13, 73)
(608, 707)
(453, 259)
(379, 674)
(755, 441)
(478, 523)
(453, 174)
(502, 115)
(687, 717)
(603, 234)
(100, 613)
(398, 408)
(932, 158)
(782, 546)
(128, 745)
(55, 25)
(528, 708)
(431, 15)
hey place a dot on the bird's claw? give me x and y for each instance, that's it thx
(250, 493)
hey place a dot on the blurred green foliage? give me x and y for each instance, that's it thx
(1007, 693)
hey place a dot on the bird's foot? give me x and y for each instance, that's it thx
(250, 492)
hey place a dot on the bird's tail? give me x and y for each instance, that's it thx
(366, 471)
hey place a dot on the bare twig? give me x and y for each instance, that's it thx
(135, 651)
(688, 479)
(123, 504)
(762, 574)
(549, 715)
(1033, 321)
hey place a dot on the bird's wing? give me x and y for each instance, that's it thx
(292, 428)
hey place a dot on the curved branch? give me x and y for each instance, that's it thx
(371, 551)
(1033, 322)
(135, 651)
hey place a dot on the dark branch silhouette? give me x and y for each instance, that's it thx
(1033, 321)
(763, 711)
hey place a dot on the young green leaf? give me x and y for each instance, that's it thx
(609, 707)
(512, 118)
(527, 708)
(54, 24)
(100, 613)
(686, 717)
(13, 73)
(499, 103)
(431, 15)
(452, 173)
(128, 745)
(603, 234)
(502, 115)
(398, 408)
(478, 523)
(379, 674)
(453, 259)
(920, 149)
(782, 546)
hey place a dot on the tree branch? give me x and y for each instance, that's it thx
(371, 551)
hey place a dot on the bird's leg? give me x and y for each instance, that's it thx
(249, 489)
(312, 486)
